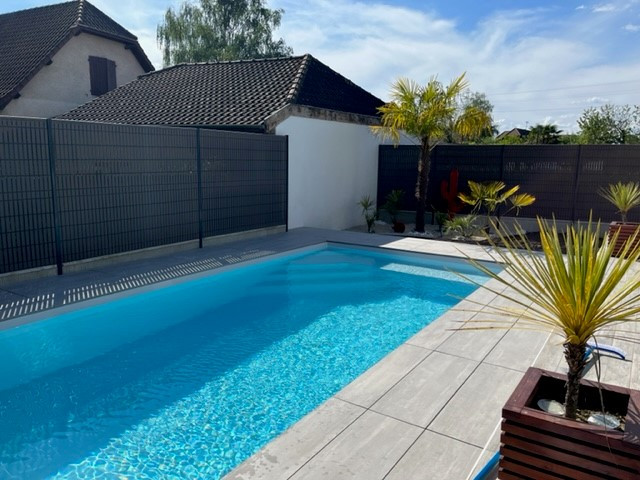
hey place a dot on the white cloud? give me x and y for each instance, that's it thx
(518, 58)
(630, 27)
(580, 7)
(605, 7)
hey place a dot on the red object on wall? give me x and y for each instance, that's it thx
(449, 191)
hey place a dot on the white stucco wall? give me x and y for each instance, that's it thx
(65, 84)
(331, 166)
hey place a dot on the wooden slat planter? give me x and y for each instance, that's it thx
(626, 232)
(538, 446)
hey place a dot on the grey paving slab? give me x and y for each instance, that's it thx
(376, 381)
(472, 344)
(366, 450)
(434, 334)
(518, 348)
(282, 457)
(436, 457)
(474, 411)
(551, 355)
(419, 396)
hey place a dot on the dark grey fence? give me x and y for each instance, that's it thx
(76, 190)
(564, 178)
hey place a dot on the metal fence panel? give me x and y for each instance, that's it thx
(471, 163)
(600, 166)
(547, 172)
(26, 217)
(398, 170)
(123, 188)
(564, 178)
(244, 181)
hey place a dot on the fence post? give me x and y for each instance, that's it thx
(54, 195)
(576, 179)
(199, 168)
(286, 184)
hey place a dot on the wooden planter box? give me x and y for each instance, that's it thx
(538, 446)
(626, 231)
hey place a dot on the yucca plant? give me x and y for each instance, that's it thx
(624, 196)
(488, 196)
(368, 211)
(575, 296)
(464, 225)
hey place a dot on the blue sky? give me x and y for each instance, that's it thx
(538, 61)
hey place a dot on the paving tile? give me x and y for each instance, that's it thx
(419, 396)
(436, 457)
(472, 344)
(366, 450)
(517, 349)
(434, 334)
(375, 382)
(479, 403)
(291, 450)
(551, 356)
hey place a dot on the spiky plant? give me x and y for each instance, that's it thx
(368, 211)
(624, 196)
(575, 295)
(488, 196)
(464, 225)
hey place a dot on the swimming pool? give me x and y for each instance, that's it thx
(190, 379)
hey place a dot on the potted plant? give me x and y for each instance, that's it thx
(368, 211)
(624, 196)
(392, 206)
(576, 297)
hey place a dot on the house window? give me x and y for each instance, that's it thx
(102, 72)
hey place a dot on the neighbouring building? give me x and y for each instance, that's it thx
(333, 157)
(514, 132)
(57, 57)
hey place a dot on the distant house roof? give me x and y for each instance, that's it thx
(236, 94)
(30, 38)
(514, 132)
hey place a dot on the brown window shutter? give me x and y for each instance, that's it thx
(111, 75)
(102, 73)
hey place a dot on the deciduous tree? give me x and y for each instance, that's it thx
(610, 124)
(214, 30)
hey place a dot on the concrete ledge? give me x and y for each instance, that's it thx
(142, 254)
(232, 237)
(25, 275)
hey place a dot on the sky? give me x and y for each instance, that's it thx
(537, 61)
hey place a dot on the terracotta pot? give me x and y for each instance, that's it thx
(626, 231)
(398, 227)
(537, 445)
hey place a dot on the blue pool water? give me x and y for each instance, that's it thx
(188, 380)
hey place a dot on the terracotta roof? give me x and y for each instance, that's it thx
(30, 38)
(240, 94)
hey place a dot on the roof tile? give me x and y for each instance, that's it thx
(237, 93)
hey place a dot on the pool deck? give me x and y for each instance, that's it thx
(428, 410)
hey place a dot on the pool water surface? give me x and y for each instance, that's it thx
(188, 380)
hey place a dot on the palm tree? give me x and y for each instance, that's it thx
(426, 112)
(544, 134)
(576, 296)
(624, 196)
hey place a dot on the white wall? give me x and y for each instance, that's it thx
(65, 84)
(331, 166)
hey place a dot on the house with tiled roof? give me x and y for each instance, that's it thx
(333, 156)
(56, 57)
(514, 132)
